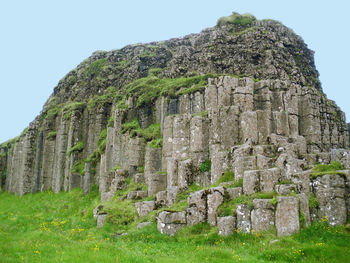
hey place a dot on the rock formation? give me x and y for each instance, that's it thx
(241, 98)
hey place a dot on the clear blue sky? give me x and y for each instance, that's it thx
(42, 40)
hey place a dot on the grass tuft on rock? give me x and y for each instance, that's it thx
(323, 169)
(236, 19)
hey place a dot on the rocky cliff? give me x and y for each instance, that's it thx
(236, 109)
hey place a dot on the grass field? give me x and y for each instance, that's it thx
(47, 227)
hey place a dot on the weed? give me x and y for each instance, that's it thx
(51, 135)
(79, 167)
(95, 67)
(76, 148)
(313, 201)
(205, 166)
(323, 169)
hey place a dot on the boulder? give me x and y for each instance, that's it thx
(285, 189)
(170, 222)
(139, 178)
(287, 215)
(195, 216)
(172, 193)
(198, 199)
(234, 192)
(330, 192)
(161, 198)
(137, 195)
(197, 207)
(263, 215)
(144, 208)
(143, 224)
(226, 225)
(268, 179)
(304, 208)
(243, 218)
(101, 220)
(215, 198)
(251, 182)
(185, 173)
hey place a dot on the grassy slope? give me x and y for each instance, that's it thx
(47, 227)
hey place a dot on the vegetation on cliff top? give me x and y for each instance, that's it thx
(236, 19)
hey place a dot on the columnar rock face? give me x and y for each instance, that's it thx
(330, 192)
(172, 114)
(287, 216)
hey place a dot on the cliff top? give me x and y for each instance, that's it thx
(239, 45)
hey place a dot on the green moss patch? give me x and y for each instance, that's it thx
(236, 19)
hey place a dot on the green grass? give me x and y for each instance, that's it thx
(205, 166)
(72, 106)
(148, 89)
(47, 227)
(323, 169)
(76, 148)
(95, 67)
(51, 135)
(79, 167)
(229, 208)
(150, 134)
(236, 19)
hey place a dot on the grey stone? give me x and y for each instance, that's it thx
(264, 162)
(101, 220)
(172, 193)
(170, 222)
(97, 210)
(194, 216)
(243, 218)
(262, 215)
(304, 208)
(161, 198)
(219, 162)
(243, 163)
(226, 225)
(268, 179)
(137, 195)
(145, 207)
(287, 215)
(155, 180)
(172, 172)
(342, 156)
(285, 189)
(181, 136)
(169, 229)
(330, 192)
(234, 192)
(281, 123)
(215, 198)
(185, 173)
(199, 134)
(197, 210)
(228, 126)
(139, 178)
(263, 204)
(143, 224)
(251, 182)
(249, 126)
(198, 199)
(172, 217)
(302, 181)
